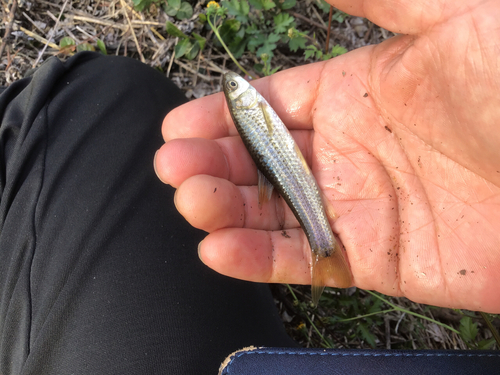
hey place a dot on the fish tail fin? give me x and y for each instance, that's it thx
(330, 270)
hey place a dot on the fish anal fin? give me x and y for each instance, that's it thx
(280, 212)
(331, 270)
(265, 189)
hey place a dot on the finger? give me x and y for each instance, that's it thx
(179, 159)
(400, 16)
(257, 255)
(291, 93)
(211, 203)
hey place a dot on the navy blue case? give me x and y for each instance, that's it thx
(292, 361)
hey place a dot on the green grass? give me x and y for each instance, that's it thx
(355, 318)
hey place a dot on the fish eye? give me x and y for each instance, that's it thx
(232, 85)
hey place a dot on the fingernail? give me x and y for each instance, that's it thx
(199, 252)
(175, 200)
(154, 164)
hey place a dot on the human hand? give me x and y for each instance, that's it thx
(402, 139)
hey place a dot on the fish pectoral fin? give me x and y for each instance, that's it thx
(331, 270)
(329, 210)
(265, 189)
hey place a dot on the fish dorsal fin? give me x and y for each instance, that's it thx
(302, 159)
(267, 111)
(265, 189)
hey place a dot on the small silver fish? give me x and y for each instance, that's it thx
(281, 165)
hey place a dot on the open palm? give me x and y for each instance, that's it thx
(403, 140)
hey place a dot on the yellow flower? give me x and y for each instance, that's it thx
(213, 4)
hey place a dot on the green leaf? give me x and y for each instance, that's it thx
(256, 4)
(140, 5)
(337, 50)
(202, 18)
(85, 47)
(201, 40)
(377, 304)
(262, 4)
(298, 42)
(171, 11)
(237, 8)
(221, 12)
(101, 46)
(366, 334)
(255, 41)
(252, 29)
(258, 67)
(271, 73)
(468, 329)
(185, 11)
(486, 344)
(239, 43)
(282, 22)
(173, 7)
(193, 51)
(66, 41)
(269, 45)
(308, 53)
(228, 29)
(273, 38)
(174, 31)
(287, 4)
(183, 47)
(267, 4)
(339, 16)
(323, 5)
(174, 3)
(238, 49)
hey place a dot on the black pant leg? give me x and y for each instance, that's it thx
(98, 272)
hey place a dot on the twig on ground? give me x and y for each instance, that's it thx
(171, 60)
(191, 70)
(39, 38)
(124, 8)
(52, 33)
(12, 16)
(101, 22)
(147, 23)
(387, 325)
(494, 332)
(304, 18)
(32, 22)
(327, 43)
(319, 16)
(368, 33)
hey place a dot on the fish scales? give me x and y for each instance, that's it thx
(279, 159)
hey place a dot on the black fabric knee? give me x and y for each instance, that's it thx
(98, 272)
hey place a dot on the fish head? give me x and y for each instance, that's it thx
(238, 91)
